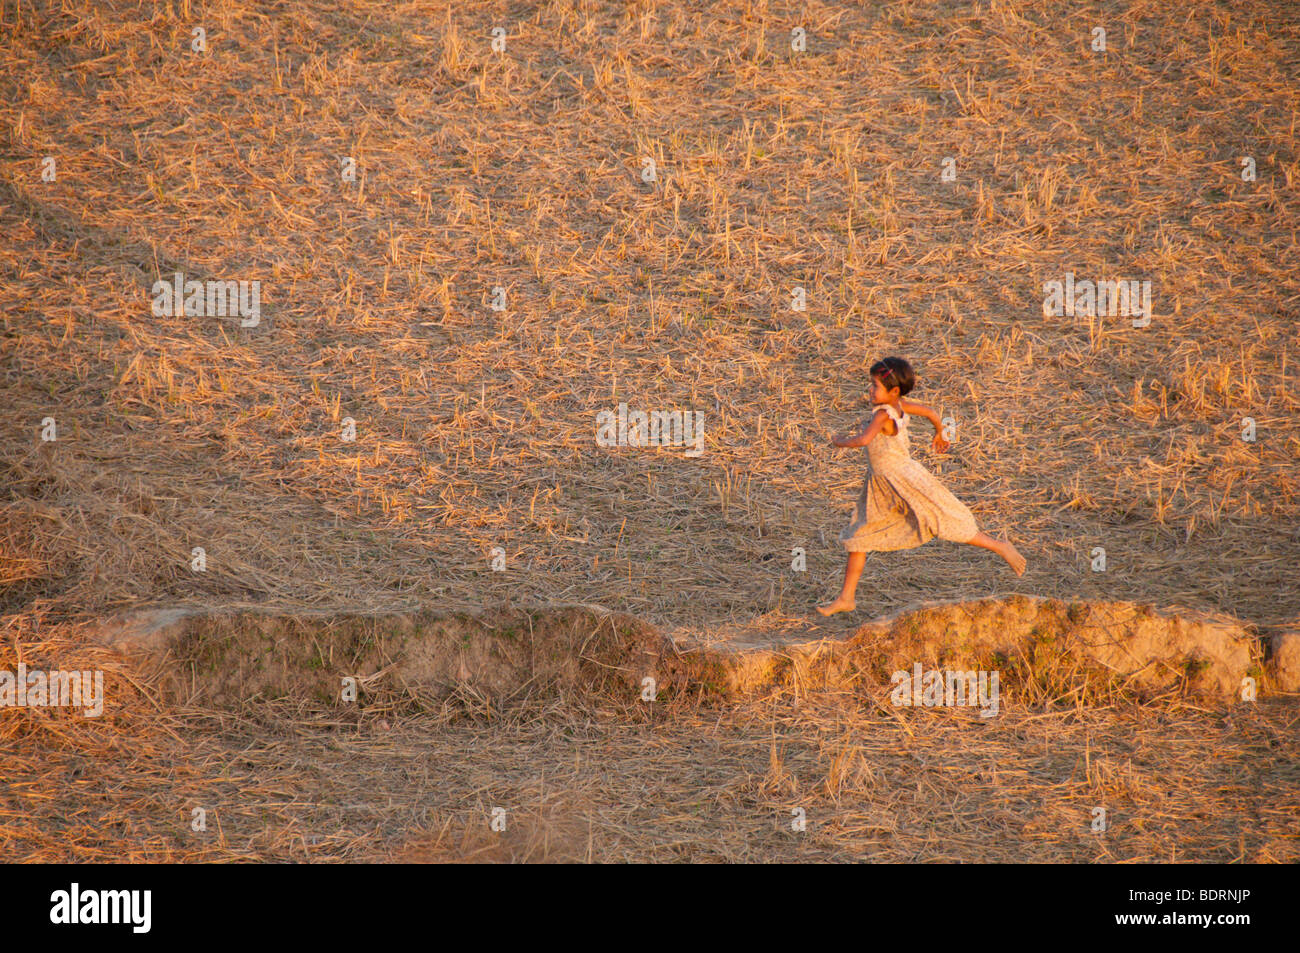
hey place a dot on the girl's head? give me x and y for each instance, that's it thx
(888, 375)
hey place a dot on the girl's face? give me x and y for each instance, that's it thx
(879, 394)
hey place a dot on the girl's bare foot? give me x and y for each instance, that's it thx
(1013, 557)
(1003, 548)
(839, 605)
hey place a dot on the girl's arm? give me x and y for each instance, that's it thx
(863, 436)
(921, 410)
(930, 414)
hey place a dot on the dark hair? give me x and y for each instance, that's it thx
(895, 372)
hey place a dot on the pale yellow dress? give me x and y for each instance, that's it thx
(902, 504)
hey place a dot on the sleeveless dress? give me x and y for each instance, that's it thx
(902, 504)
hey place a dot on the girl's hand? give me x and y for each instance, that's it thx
(837, 440)
(939, 444)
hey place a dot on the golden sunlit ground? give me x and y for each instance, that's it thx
(1172, 446)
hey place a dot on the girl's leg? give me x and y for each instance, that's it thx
(852, 573)
(1004, 549)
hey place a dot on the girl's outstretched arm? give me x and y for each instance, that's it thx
(921, 410)
(863, 436)
(930, 414)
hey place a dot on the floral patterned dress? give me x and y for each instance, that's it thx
(902, 504)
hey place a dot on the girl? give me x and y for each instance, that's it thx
(902, 504)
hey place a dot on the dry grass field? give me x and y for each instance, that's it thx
(463, 255)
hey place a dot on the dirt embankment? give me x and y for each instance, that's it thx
(1045, 651)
